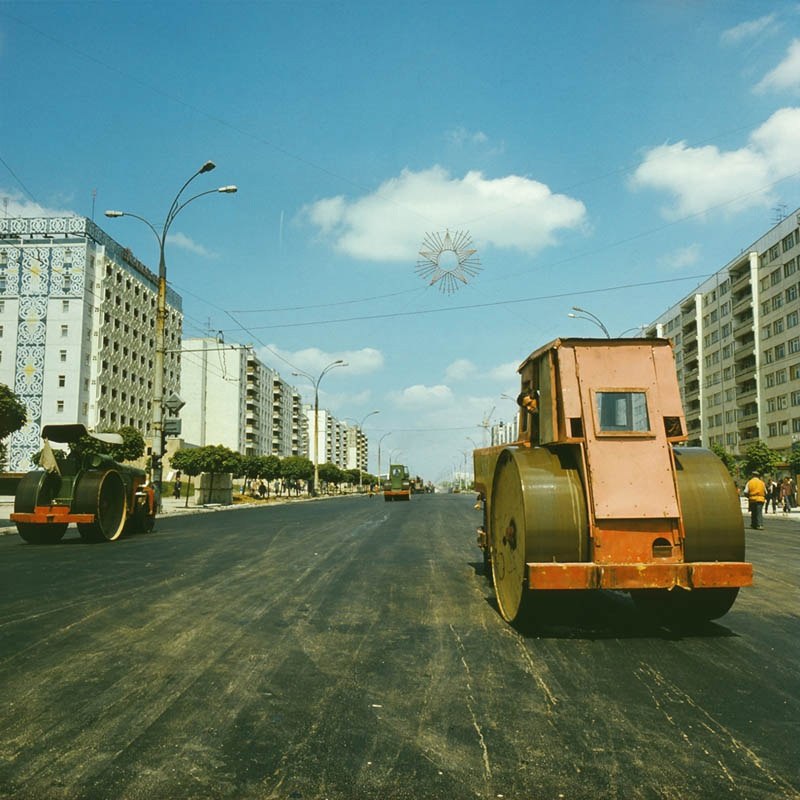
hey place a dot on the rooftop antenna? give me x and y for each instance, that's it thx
(779, 213)
(94, 197)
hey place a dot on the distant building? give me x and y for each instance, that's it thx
(235, 400)
(340, 444)
(737, 346)
(77, 329)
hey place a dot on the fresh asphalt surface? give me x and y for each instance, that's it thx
(351, 649)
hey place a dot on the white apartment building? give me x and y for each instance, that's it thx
(77, 329)
(235, 400)
(737, 346)
(338, 443)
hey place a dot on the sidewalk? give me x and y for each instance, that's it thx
(172, 507)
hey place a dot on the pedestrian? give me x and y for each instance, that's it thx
(176, 486)
(786, 495)
(773, 492)
(262, 489)
(756, 493)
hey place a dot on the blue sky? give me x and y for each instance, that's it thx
(608, 155)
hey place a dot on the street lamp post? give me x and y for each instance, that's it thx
(359, 426)
(315, 382)
(157, 449)
(589, 317)
(388, 433)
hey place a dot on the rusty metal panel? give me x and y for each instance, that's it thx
(711, 575)
(630, 471)
(570, 391)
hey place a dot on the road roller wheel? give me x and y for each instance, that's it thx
(101, 494)
(38, 488)
(538, 513)
(35, 533)
(682, 607)
(712, 516)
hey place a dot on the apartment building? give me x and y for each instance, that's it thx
(737, 346)
(338, 443)
(77, 329)
(235, 400)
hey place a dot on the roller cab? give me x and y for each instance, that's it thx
(397, 485)
(598, 492)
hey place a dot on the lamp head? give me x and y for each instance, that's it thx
(207, 167)
(228, 189)
(115, 213)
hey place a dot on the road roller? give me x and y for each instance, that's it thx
(599, 491)
(397, 485)
(103, 498)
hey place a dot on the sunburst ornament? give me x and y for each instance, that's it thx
(448, 260)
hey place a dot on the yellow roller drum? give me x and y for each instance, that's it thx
(712, 516)
(538, 513)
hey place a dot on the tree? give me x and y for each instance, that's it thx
(269, 469)
(295, 469)
(793, 459)
(251, 467)
(331, 474)
(132, 447)
(727, 458)
(187, 462)
(13, 415)
(759, 458)
(216, 459)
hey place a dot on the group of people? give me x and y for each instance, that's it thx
(760, 494)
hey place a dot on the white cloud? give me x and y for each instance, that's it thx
(390, 224)
(682, 258)
(701, 178)
(503, 372)
(461, 136)
(786, 76)
(182, 241)
(313, 361)
(460, 370)
(748, 30)
(15, 205)
(423, 397)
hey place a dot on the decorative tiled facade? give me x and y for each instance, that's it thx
(77, 329)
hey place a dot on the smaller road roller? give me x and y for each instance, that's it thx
(599, 493)
(103, 498)
(397, 485)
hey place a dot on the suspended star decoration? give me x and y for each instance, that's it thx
(448, 260)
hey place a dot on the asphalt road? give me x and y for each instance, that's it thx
(351, 649)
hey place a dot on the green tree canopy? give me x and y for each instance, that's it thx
(296, 468)
(13, 413)
(759, 458)
(331, 474)
(728, 459)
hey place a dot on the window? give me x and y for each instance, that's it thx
(778, 326)
(777, 302)
(775, 277)
(60, 407)
(62, 355)
(622, 412)
(64, 331)
(792, 319)
(791, 293)
(62, 381)
(789, 268)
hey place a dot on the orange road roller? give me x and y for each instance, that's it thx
(598, 493)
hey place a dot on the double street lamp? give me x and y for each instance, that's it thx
(178, 204)
(589, 317)
(359, 426)
(315, 382)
